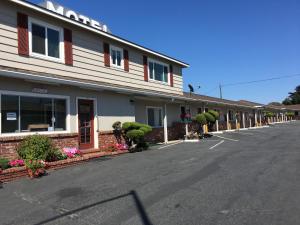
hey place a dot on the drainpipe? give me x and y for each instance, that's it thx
(165, 126)
(244, 120)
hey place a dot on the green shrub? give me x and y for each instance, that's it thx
(55, 155)
(201, 119)
(290, 114)
(214, 113)
(36, 147)
(4, 163)
(209, 118)
(269, 114)
(135, 134)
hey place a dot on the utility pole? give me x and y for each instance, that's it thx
(220, 87)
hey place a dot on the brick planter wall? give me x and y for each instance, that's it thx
(8, 145)
(107, 138)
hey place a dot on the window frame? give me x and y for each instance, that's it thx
(150, 60)
(46, 26)
(115, 48)
(28, 94)
(161, 114)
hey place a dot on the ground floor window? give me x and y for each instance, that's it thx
(154, 116)
(32, 114)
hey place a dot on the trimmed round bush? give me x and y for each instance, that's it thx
(214, 113)
(36, 147)
(130, 126)
(209, 118)
(201, 119)
(146, 129)
(135, 134)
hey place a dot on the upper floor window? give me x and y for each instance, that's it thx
(116, 55)
(45, 40)
(158, 71)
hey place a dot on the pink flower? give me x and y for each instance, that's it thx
(17, 163)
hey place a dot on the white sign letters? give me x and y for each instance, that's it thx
(73, 15)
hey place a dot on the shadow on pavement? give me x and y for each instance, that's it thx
(140, 208)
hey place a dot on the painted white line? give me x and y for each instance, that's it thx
(247, 133)
(225, 138)
(166, 146)
(221, 142)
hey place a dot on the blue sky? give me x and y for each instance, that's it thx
(223, 41)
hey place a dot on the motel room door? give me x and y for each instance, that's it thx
(86, 123)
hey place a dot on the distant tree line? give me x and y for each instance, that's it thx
(293, 98)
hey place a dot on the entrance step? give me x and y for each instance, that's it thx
(90, 150)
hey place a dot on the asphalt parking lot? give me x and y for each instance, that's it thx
(245, 178)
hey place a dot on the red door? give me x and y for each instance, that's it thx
(86, 123)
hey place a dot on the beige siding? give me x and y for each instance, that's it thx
(88, 57)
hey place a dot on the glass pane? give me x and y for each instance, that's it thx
(38, 39)
(114, 57)
(119, 58)
(60, 114)
(36, 114)
(53, 43)
(151, 67)
(158, 122)
(166, 74)
(159, 71)
(10, 113)
(151, 117)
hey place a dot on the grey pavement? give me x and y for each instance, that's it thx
(248, 177)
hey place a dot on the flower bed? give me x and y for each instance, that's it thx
(19, 172)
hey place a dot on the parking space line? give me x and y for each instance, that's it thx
(216, 145)
(245, 133)
(166, 146)
(225, 138)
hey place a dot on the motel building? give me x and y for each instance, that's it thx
(65, 75)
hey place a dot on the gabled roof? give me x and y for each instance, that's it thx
(101, 33)
(249, 103)
(292, 107)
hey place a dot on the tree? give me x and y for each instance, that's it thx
(294, 97)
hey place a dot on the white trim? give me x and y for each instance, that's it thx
(61, 40)
(29, 94)
(102, 33)
(96, 130)
(162, 64)
(161, 115)
(114, 48)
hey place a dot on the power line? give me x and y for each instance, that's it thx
(258, 81)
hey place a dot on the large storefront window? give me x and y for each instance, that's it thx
(32, 114)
